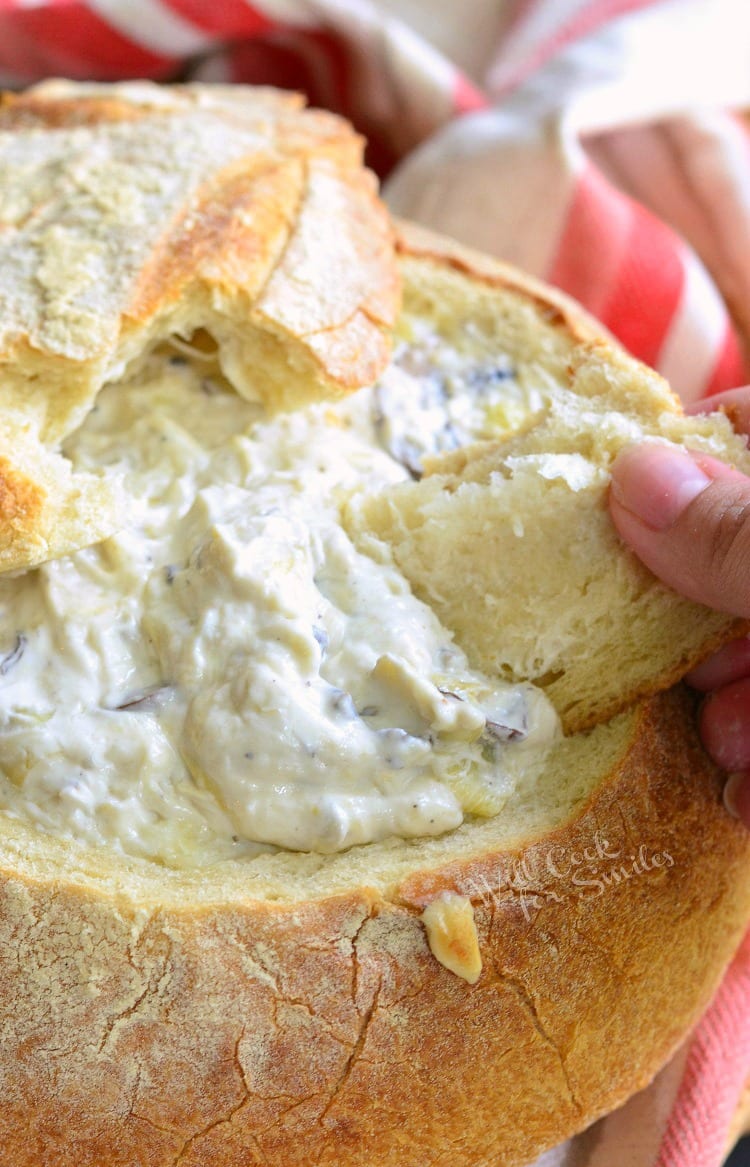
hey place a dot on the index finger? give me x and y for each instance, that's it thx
(735, 403)
(730, 663)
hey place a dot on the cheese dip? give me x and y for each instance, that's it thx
(229, 673)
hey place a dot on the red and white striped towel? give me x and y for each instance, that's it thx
(600, 144)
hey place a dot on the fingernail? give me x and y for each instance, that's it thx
(656, 483)
(734, 794)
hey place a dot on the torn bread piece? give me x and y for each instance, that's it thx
(130, 214)
(510, 540)
(46, 508)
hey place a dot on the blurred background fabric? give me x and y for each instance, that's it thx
(600, 144)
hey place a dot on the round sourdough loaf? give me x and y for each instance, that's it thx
(291, 1010)
(470, 999)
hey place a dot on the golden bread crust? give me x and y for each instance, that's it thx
(21, 499)
(558, 310)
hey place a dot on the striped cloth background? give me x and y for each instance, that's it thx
(601, 144)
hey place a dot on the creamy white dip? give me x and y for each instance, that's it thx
(229, 672)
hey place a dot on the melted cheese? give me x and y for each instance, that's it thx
(229, 672)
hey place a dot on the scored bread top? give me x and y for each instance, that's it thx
(144, 212)
(510, 540)
(130, 213)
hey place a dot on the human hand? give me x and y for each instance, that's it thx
(687, 516)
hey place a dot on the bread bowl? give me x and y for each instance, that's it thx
(470, 996)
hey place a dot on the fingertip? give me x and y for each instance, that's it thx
(737, 796)
(724, 722)
(730, 663)
(687, 518)
(655, 482)
(627, 524)
(735, 403)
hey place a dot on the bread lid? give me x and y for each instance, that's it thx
(131, 213)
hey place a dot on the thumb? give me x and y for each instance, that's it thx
(687, 516)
